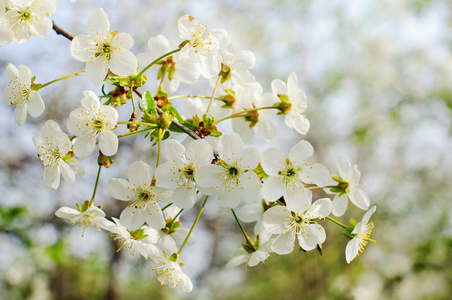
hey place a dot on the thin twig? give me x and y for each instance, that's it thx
(58, 30)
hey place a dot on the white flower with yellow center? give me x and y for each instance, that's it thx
(25, 18)
(233, 177)
(170, 273)
(294, 100)
(20, 95)
(172, 68)
(350, 188)
(103, 50)
(361, 236)
(91, 121)
(178, 173)
(53, 145)
(145, 196)
(201, 48)
(288, 173)
(91, 217)
(297, 220)
(131, 240)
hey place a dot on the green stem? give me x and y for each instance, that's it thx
(130, 133)
(61, 78)
(213, 93)
(159, 143)
(192, 96)
(243, 230)
(95, 186)
(193, 226)
(243, 112)
(177, 215)
(337, 222)
(156, 61)
(166, 206)
(138, 123)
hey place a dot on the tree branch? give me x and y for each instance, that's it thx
(58, 30)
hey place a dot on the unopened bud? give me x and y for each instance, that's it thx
(133, 118)
(104, 160)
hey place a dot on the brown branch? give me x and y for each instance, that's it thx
(58, 30)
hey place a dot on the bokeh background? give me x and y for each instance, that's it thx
(378, 75)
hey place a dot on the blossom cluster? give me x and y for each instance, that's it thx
(271, 188)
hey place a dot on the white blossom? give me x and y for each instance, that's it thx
(178, 173)
(233, 177)
(103, 50)
(20, 94)
(145, 196)
(236, 64)
(296, 100)
(53, 145)
(170, 273)
(24, 18)
(354, 189)
(91, 217)
(252, 98)
(131, 241)
(91, 121)
(251, 257)
(288, 173)
(172, 235)
(181, 71)
(297, 220)
(361, 235)
(201, 48)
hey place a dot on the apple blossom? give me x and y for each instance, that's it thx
(91, 121)
(25, 18)
(139, 189)
(20, 94)
(169, 273)
(103, 50)
(53, 145)
(293, 101)
(91, 217)
(298, 220)
(350, 187)
(176, 71)
(361, 234)
(178, 173)
(233, 178)
(131, 240)
(201, 49)
(289, 173)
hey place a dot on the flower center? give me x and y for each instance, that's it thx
(363, 237)
(105, 50)
(25, 15)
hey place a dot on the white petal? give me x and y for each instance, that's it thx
(199, 152)
(319, 209)
(132, 217)
(167, 244)
(209, 176)
(108, 142)
(67, 172)
(185, 197)
(51, 176)
(98, 25)
(20, 114)
(123, 63)
(300, 152)
(273, 188)
(67, 212)
(83, 147)
(360, 198)
(80, 48)
(239, 256)
(96, 71)
(120, 189)
(351, 250)
(298, 198)
(297, 121)
(174, 151)
(273, 161)
(343, 166)
(154, 216)
(284, 243)
(276, 219)
(339, 205)
(250, 212)
(140, 173)
(279, 87)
